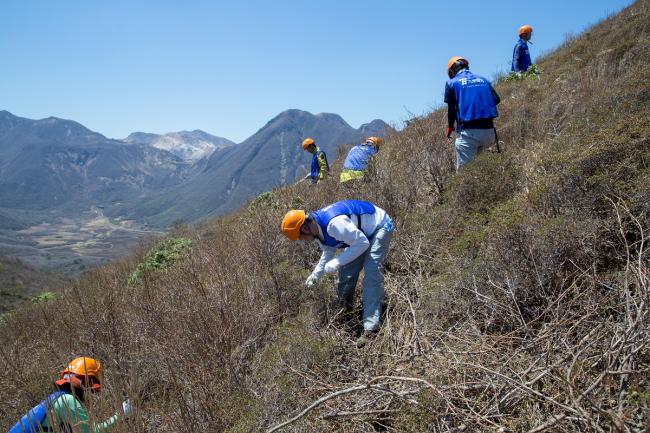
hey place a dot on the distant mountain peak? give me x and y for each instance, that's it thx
(7, 118)
(52, 128)
(332, 117)
(187, 145)
(375, 122)
(67, 122)
(291, 114)
(294, 111)
(141, 138)
(376, 127)
(303, 117)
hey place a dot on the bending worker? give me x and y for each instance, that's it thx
(520, 55)
(358, 158)
(472, 106)
(319, 166)
(64, 410)
(363, 231)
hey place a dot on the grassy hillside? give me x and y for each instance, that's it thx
(517, 291)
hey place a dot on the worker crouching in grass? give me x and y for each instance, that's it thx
(64, 410)
(363, 231)
(358, 158)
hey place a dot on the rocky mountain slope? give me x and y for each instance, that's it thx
(59, 164)
(187, 145)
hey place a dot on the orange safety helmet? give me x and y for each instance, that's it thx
(376, 141)
(307, 142)
(525, 29)
(291, 223)
(82, 371)
(453, 61)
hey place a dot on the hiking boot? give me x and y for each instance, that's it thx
(365, 338)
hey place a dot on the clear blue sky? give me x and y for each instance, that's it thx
(120, 66)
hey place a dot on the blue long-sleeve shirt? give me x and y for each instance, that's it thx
(521, 57)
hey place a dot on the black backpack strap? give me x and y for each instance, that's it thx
(359, 224)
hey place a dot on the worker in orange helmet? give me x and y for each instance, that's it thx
(471, 107)
(64, 410)
(358, 158)
(363, 231)
(319, 165)
(520, 55)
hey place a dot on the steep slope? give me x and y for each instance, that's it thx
(517, 290)
(187, 145)
(269, 158)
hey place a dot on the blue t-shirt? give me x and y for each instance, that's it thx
(358, 157)
(471, 97)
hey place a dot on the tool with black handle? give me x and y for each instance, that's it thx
(496, 140)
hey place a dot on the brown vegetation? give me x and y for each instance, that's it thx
(518, 291)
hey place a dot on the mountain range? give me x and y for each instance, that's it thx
(55, 164)
(72, 195)
(60, 166)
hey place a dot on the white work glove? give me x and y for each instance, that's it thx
(311, 280)
(127, 407)
(332, 266)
